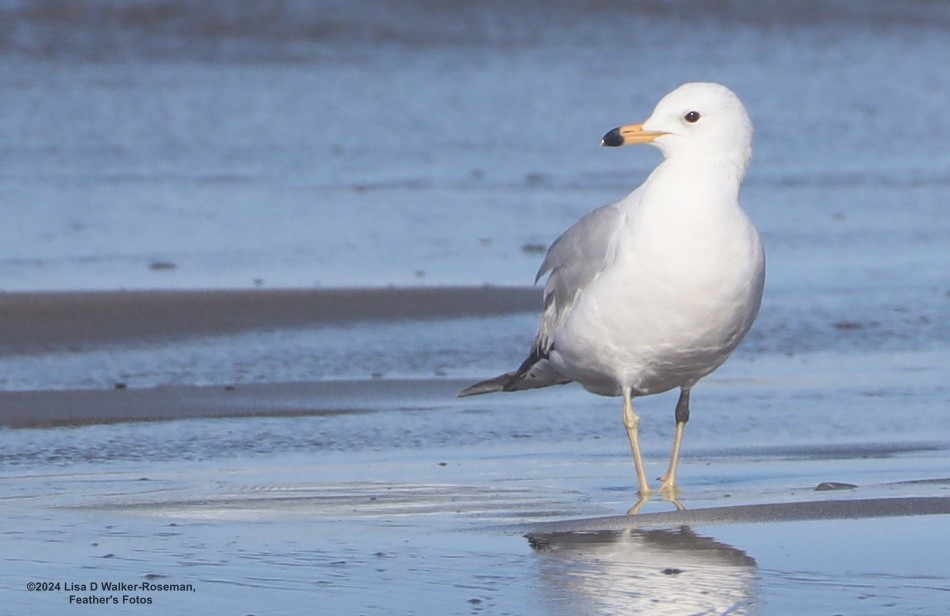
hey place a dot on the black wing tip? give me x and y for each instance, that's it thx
(499, 383)
(469, 391)
(508, 381)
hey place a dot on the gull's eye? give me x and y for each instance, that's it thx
(692, 117)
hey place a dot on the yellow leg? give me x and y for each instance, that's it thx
(631, 422)
(668, 481)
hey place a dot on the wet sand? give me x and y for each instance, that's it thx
(48, 321)
(37, 409)
(384, 495)
(35, 323)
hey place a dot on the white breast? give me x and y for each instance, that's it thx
(681, 289)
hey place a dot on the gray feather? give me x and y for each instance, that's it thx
(575, 259)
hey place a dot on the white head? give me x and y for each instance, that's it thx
(704, 120)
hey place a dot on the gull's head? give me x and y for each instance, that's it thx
(696, 119)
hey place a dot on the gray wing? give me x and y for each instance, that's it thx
(574, 260)
(578, 256)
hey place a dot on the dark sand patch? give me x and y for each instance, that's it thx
(53, 322)
(749, 514)
(33, 322)
(43, 409)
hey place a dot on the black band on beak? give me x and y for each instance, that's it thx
(613, 138)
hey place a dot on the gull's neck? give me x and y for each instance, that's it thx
(700, 173)
(694, 188)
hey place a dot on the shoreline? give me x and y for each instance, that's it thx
(52, 321)
(80, 407)
(762, 513)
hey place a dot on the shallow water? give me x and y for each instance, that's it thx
(411, 530)
(887, 325)
(159, 145)
(325, 146)
(405, 508)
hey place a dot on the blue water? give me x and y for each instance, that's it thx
(179, 144)
(174, 144)
(212, 144)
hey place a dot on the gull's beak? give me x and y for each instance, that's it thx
(630, 134)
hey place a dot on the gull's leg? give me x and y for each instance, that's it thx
(631, 422)
(668, 481)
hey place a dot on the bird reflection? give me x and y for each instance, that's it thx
(643, 572)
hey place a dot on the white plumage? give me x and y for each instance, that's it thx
(654, 292)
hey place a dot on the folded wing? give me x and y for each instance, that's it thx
(573, 261)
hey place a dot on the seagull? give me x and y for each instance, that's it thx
(655, 291)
